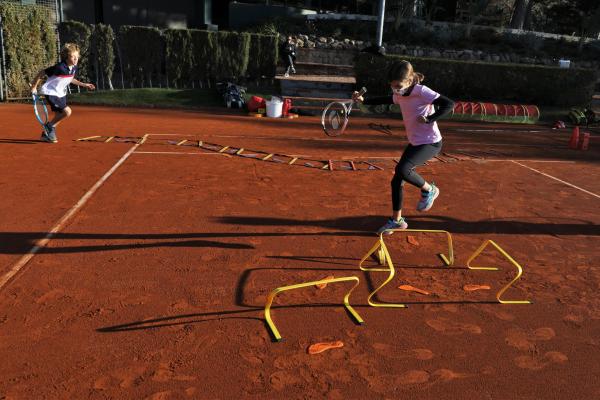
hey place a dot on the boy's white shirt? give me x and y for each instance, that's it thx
(57, 85)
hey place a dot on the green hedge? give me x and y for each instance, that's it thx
(234, 52)
(80, 34)
(103, 39)
(30, 45)
(142, 52)
(264, 52)
(478, 81)
(205, 58)
(191, 56)
(179, 56)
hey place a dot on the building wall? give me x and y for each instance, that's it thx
(242, 15)
(158, 13)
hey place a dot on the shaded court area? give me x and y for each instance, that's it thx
(154, 287)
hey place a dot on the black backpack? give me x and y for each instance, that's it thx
(232, 94)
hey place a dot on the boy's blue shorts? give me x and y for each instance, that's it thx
(57, 104)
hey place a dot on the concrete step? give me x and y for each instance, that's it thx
(308, 68)
(325, 82)
(318, 92)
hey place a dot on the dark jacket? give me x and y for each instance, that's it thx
(288, 49)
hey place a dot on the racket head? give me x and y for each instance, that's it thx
(334, 118)
(40, 109)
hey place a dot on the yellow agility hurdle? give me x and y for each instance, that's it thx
(275, 292)
(510, 259)
(384, 258)
(448, 260)
(380, 246)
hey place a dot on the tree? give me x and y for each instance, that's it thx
(475, 12)
(521, 10)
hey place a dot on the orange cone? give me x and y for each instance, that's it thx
(574, 138)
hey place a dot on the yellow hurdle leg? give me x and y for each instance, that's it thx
(386, 260)
(449, 259)
(510, 259)
(275, 292)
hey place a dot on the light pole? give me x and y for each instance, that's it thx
(380, 21)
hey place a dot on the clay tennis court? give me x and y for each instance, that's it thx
(158, 260)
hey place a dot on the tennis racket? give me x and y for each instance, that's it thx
(335, 116)
(40, 109)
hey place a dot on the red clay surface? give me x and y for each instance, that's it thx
(155, 288)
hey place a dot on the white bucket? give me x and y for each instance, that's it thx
(274, 107)
(564, 63)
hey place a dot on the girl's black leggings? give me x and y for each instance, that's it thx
(412, 157)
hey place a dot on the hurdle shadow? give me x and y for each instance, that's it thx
(247, 273)
(366, 276)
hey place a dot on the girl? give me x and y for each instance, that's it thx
(60, 76)
(421, 107)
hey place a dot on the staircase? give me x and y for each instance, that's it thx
(315, 83)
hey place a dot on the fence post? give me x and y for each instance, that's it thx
(3, 83)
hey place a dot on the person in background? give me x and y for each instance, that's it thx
(288, 54)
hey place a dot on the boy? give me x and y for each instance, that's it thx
(55, 88)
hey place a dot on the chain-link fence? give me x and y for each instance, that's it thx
(55, 15)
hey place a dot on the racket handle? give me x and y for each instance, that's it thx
(362, 91)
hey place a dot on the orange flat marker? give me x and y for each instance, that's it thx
(472, 288)
(410, 288)
(321, 347)
(324, 285)
(412, 240)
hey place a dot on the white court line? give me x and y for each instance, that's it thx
(179, 152)
(493, 130)
(349, 158)
(559, 180)
(65, 218)
(344, 140)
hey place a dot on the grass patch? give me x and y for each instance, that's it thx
(196, 98)
(158, 98)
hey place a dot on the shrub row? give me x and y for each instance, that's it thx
(479, 81)
(29, 43)
(185, 56)
(146, 55)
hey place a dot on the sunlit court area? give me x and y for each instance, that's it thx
(299, 200)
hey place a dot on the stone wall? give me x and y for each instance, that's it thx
(327, 56)
(328, 50)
